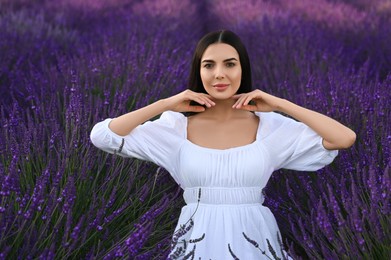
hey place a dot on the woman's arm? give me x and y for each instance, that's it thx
(335, 135)
(124, 124)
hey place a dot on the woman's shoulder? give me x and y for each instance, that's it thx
(273, 122)
(172, 121)
(273, 118)
(171, 117)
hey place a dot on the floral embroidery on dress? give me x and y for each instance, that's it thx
(180, 250)
(256, 245)
(120, 147)
(180, 244)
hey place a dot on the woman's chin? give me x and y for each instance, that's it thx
(221, 95)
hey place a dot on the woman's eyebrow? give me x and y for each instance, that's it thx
(230, 59)
(211, 61)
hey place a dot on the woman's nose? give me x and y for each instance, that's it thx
(219, 72)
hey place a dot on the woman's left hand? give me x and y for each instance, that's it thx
(261, 101)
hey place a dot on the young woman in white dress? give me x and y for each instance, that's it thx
(221, 141)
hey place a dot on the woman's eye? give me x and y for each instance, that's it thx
(208, 65)
(230, 64)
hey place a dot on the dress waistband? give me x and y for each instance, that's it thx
(224, 195)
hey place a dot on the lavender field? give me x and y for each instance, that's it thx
(67, 64)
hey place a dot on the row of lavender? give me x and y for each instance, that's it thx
(342, 211)
(64, 69)
(61, 72)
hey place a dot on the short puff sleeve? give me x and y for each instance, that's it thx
(156, 141)
(293, 145)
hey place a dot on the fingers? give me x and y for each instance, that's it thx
(248, 99)
(208, 100)
(203, 100)
(237, 96)
(239, 100)
(184, 102)
(243, 100)
(200, 98)
(195, 109)
(249, 108)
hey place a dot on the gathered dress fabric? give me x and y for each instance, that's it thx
(224, 217)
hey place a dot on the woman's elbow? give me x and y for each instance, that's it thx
(353, 138)
(348, 140)
(344, 142)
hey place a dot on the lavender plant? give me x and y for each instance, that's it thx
(317, 67)
(65, 67)
(61, 197)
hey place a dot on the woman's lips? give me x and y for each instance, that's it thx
(220, 87)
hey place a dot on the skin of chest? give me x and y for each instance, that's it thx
(220, 134)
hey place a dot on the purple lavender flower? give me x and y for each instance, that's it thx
(136, 240)
(98, 62)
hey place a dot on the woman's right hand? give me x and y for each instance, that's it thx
(181, 101)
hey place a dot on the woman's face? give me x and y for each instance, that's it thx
(221, 72)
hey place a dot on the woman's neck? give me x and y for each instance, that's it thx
(222, 110)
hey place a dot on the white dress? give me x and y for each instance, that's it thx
(229, 220)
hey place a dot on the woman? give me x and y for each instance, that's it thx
(224, 153)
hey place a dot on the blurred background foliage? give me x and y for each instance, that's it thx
(65, 65)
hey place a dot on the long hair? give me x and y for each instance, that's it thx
(227, 37)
